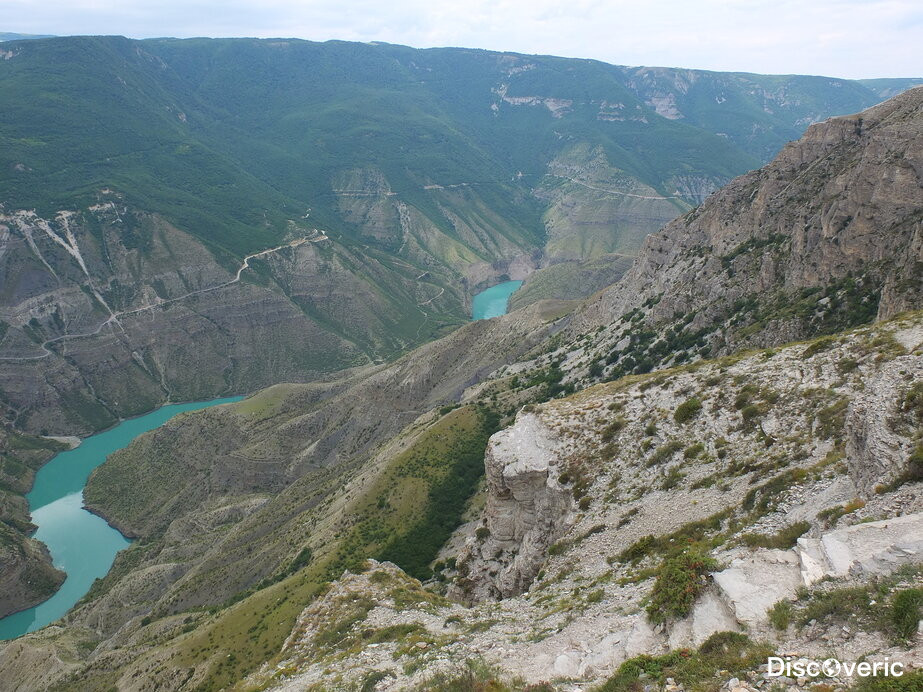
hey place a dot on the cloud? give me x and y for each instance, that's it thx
(849, 38)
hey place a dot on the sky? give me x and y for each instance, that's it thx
(840, 38)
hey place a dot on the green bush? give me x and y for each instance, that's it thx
(845, 604)
(687, 410)
(905, 612)
(750, 413)
(914, 471)
(672, 479)
(638, 550)
(613, 429)
(679, 582)
(780, 615)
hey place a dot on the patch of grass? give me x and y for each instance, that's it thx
(679, 582)
(909, 682)
(912, 474)
(692, 451)
(672, 544)
(764, 497)
(664, 452)
(783, 540)
(687, 410)
(847, 604)
(724, 651)
(830, 515)
(905, 612)
(830, 420)
(613, 429)
(476, 676)
(911, 402)
(818, 346)
(672, 478)
(780, 615)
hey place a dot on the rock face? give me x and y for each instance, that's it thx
(826, 236)
(876, 449)
(525, 505)
(27, 576)
(99, 324)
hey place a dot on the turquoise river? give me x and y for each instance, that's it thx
(81, 544)
(493, 301)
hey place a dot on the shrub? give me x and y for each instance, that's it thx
(692, 451)
(595, 596)
(750, 413)
(780, 615)
(905, 612)
(915, 465)
(723, 651)
(679, 582)
(687, 410)
(664, 452)
(672, 479)
(613, 429)
(844, 604)
(909, 682)
(558, 548)
(830, 420)
(818, 347)
(912, 402)
(482, 533)
(783, 540)
(638, 550)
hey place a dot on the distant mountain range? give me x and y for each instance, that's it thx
(7, 36)
(186, 218)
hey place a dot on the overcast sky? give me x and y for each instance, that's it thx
(842, 38)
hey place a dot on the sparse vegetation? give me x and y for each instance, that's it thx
(906, 612)
(725, 651)
(780, 615)
(783, 540)
(687, 410)
(679, 582)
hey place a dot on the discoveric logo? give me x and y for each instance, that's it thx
(832, 668)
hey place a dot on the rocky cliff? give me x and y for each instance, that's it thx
(826, 236)
(26, 573)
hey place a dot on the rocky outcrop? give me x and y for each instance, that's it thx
(876, 451)
(27, 576)
(526, 512)
(825, 237)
